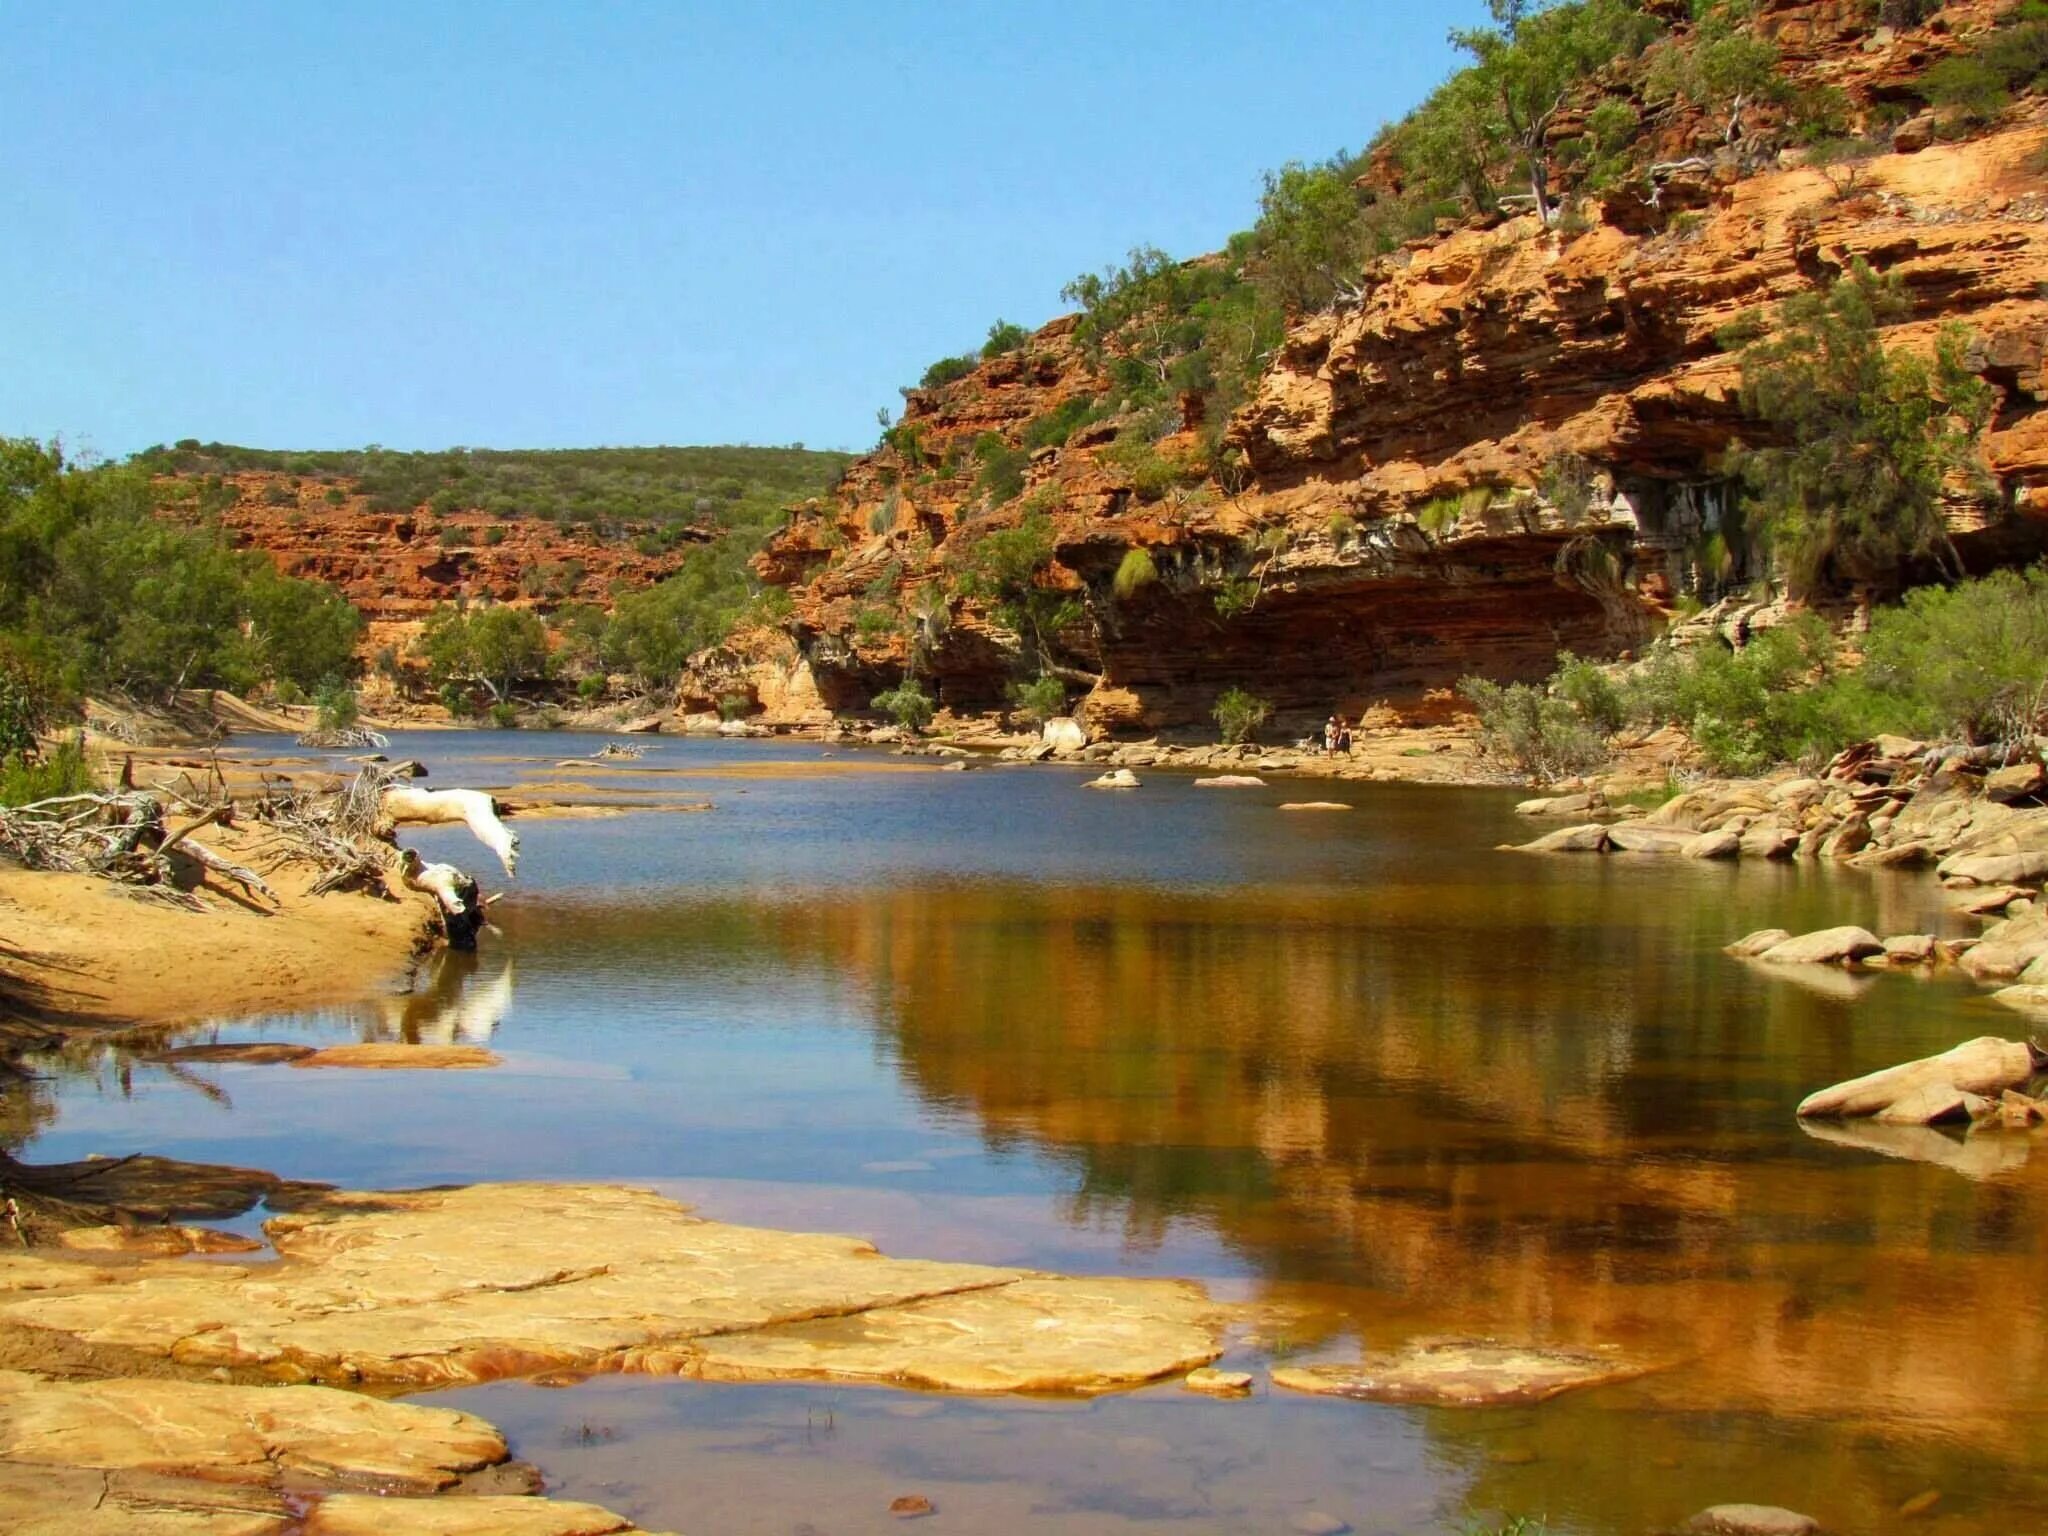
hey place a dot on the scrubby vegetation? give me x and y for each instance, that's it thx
(97, 593)
(607, 490)
(1967, 662)
(907, 704)
(1239, 714)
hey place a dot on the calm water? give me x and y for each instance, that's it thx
(1361, 1069)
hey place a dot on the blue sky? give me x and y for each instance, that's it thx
(525, 225)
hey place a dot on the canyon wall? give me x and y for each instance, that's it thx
(1510, 444)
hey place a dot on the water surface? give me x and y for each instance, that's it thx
(1360, 1069)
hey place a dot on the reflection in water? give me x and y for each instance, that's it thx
(1375, 1075)
(460, 1002)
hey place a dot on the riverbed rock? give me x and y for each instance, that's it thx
(397, 1055)
(1753, 944)
(1231, 781)
(232, 1434)
(366, 1515)
(164, 1241)
(2022, 781)
(1909, 948)
(1314, 805)
(1116, 778)
(1750, 1520)
(1063, 734)
(2008, 948)
(1769, 840)
(1827, 946)
(1586, 803)
(1986, 900)
(1637, 837)
(438, 1287)
(1214, 1383)
(1724, 844)
(2030, 1000)
(1590, 838)
(1460, 1373)
(1934, 1104)
(1984, 1066)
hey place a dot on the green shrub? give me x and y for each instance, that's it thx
(874, 624)
(907, 704)
(1592, 694)
(453, 538)
(1234, 595)
(1134, 573)
(1003, 337)
(1537, 735)
(1851, 494)
(945, 371)
(505, 715)
(494, 535)
(1052, 429)
(734, 706)
(335, 706)
(591, 686)
(1239, 714)
(25, 779)
(1970, 659)
(1040, 699)
(1001, 477)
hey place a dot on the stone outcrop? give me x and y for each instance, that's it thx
(438, 1287)
(1509, 445)
(1935, 1088)
(143, 1457)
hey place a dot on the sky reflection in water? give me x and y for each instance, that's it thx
(1361, 1068)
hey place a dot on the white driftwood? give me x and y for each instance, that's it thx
(1985, 1066)
(404, 805)
(456, 894)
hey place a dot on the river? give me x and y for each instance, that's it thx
(1360, 1069)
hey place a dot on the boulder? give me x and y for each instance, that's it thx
(2008, 948)
(1063, 734)
(1910, 948)
(1851, 837)
(1798, 792)
(1217, 1383)
(1995, 868)
(1768, 840)
(2022, 781)
(1982, 901)
(1898, 856)
(1636, 837)
(2019, 1111)
(1587, 803)
(1724, 844)
(1591, 838)
(1984, 1066)
(1828, 946)
(1750, 1520)
(1231, 781)
(1757, 943)
(1934, 1104)
(1116, 778)
(2028, 999)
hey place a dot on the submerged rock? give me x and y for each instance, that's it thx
(387, 1055)
(1231, 781)
(1314, 805)
(1460, 1373)
(1215, 1383)
(1751, 1520)
(1116, 778)
(437, 1287)
(1749, 946)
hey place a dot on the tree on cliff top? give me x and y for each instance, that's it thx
(1525, 67)
(1851, 493)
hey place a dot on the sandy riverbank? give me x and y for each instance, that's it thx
(77, 952)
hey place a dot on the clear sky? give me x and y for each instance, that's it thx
(309, 225)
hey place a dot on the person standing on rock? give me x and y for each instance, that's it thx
(1343, 735)
(1329, 736)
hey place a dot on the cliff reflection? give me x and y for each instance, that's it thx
(1464, 1111)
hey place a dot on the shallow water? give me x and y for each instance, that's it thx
(1359, 1068)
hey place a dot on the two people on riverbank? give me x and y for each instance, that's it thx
(1336, 735)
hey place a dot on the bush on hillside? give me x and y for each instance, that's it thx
(907, 704)
(1039, 700)
(1536, 734)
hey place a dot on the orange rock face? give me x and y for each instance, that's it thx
(1399, 523)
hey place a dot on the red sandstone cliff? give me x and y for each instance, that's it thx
(1391, 531)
